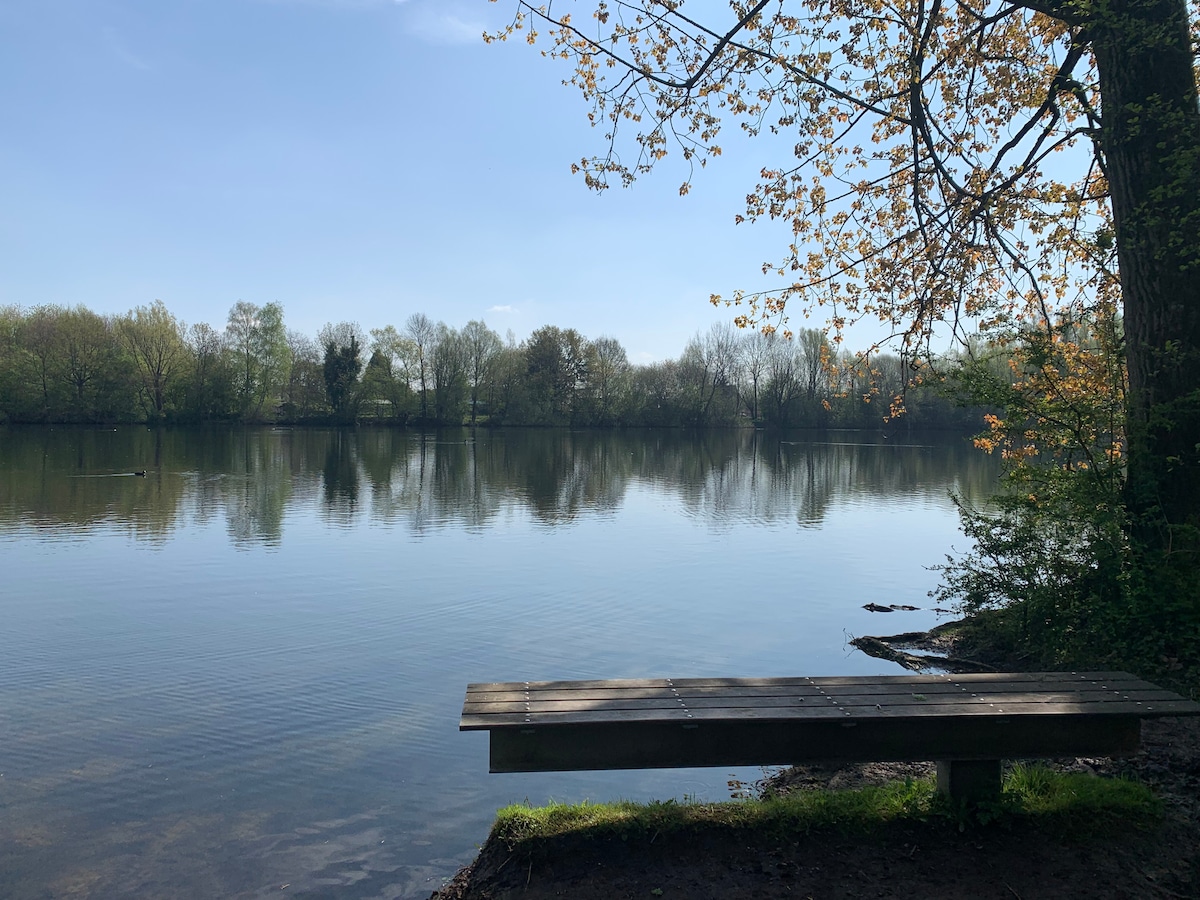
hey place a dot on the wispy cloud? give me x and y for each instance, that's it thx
(432, 21)
(443, 27)
(506, 308)
(117, 47)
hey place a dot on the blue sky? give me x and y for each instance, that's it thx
(351, 159)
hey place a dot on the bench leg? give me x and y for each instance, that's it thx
(969, 779)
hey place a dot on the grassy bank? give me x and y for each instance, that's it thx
(1047, 835)
(1072, 802)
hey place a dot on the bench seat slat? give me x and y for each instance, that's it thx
(866, 694)
(793, 690)
(899, 681)
(812, 687)
(976, 678)
(915, 711)
(534, 704)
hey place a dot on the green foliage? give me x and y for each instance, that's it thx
(209, 392)
(556, 362)
(1061, 571)
(303, 392)
(61, 365)
(449, 364)
(154, 341)
(343, 363)
(257, 338)
(1058, 557)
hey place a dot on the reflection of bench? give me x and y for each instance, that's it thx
(967, 723)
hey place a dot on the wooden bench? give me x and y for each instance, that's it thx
(965, 723)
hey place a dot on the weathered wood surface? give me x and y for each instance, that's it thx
(494, 706)
(656, 723)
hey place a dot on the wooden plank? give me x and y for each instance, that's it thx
(911, 678)
(567, 685)
(645, 693)
(992, 687)
(535, 704)
(772, 687)
(638, 745)
(912, 712)
(978, 679)
(741, 697)
(872, 688)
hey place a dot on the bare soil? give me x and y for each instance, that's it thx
(914, 860)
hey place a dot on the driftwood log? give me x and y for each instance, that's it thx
(896, 648)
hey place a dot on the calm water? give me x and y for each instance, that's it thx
(244, 671)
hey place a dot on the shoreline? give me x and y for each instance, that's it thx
(906, 859)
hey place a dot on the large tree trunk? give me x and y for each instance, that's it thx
(1151, 142)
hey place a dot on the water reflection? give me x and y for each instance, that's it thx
(340, 478)
(81, 479)
(245, 669)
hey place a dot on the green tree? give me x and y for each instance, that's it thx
(154, 339)
(343, 345)
(482, 346)
(816, 355)
(303, 389)
(708, 375)
(13, 394)
(422, 335)
(97, 375)
(258, 339)
(754, 355)
(39, 338)
(449, 365)
(609, 380)
(211, 381)
(556, 367)
(1054, 552)
(659, 391)
(784, 385)
(507, 394)
(387, 370)
(925, 182)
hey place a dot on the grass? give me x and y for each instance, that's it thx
(1071, 803)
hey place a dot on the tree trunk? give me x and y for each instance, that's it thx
(1151, 140)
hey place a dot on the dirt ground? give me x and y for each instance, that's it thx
(920, 861)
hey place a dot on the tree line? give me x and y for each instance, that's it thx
(72, 365)
(926, 187)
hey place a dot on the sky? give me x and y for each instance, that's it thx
(353, 160)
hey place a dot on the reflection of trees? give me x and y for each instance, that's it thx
(453, 478)
(81, 478)
(760, 476)
(257, 486)
(565, 473)
(400, 468)
(340, 477)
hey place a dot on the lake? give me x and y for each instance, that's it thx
(242, 672)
